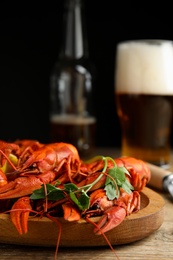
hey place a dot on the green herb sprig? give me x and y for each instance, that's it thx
(116, 179)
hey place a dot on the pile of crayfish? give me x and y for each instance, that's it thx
(51, 180)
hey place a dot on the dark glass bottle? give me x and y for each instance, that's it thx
(72, 117)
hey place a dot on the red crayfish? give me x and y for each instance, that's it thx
(27, 166)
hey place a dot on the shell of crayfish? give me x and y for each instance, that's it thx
(52, 156)
(6, 149)
(25, 185)
(27, 147)
(26, 143)
(112, 212)
(71, 213)
(138, 169)
(19, 214)
(48, 163)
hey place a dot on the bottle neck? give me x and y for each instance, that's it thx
(74, 31)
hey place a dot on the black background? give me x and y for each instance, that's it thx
(30, 42)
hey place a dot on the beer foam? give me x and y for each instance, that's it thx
(144, 67)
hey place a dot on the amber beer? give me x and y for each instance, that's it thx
(144, 98)
(76, 130)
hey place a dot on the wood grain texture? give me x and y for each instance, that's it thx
(44, 232)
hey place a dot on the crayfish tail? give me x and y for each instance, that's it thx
(19, 214)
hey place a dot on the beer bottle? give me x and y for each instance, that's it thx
(72, 80)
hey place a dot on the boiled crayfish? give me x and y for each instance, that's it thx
(102, 186)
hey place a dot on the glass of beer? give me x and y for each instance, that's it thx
(144, 98)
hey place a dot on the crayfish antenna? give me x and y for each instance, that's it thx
(59, 233)
(104, 236)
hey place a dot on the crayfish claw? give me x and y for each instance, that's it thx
(111, 218)
(20, 213)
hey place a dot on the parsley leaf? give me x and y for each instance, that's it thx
(82, 201)
(115, 180)
(53, 193)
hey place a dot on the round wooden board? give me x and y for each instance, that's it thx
(44, 232)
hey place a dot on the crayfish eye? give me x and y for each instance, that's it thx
(95, 206)
(34, 165)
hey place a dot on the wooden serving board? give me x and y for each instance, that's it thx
(44, 232)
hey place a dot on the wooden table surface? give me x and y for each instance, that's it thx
(158, 246)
